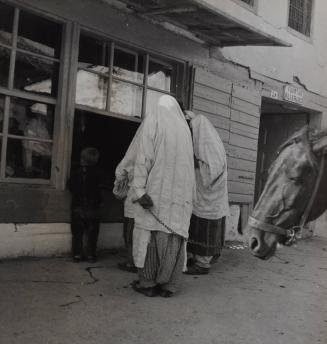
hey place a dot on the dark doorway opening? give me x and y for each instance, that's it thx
(275, 129)
(111, 137)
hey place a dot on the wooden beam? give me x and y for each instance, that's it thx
(168, 10)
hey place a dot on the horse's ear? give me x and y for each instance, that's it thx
(300, 135)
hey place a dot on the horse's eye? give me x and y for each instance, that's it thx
(296, 180)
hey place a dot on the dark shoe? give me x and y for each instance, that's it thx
(190, 262)
(77, 258)
(91, 259)
(196, 270)
(127, 267)
(149, 292)
(165, 293)
(214, 259)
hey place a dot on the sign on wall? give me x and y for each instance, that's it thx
(293, 94)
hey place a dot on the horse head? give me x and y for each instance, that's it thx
(286, 196)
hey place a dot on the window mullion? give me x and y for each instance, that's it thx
(13, 50)
(145, 84)
(4, 137)
(111, 51)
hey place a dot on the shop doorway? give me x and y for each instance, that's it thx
(111, 136)
(277, 124)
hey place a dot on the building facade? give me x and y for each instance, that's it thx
(83, 72)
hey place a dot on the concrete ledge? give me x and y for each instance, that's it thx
(49, 239)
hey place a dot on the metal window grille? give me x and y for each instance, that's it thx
(249, 2)
(300, 16)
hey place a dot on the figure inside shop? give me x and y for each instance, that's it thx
(37, 154)
(210, 207)
(164, 186)
(84, 184)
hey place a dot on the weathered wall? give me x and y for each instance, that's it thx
(306, 59)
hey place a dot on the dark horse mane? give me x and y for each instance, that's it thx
(310, 137)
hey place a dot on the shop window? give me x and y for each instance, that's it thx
(117, 80)
(299, 19)
(29, 63)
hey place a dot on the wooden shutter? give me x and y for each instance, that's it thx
(235, 113)
(243, 141)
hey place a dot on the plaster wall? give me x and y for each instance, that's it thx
(306, 59)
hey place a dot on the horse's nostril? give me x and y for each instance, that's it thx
(254, 244)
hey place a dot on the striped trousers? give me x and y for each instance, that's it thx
(164, 261)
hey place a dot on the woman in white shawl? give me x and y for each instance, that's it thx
(164, 184)
(211, 203)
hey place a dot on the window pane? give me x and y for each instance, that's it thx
(31, 119)
(28, 159)
(39, 35)
(128, 66)
(6, 23)
(4, 66)
(37, 75)
(126, 99)
(2, 110)
(93, 53)
(160, 76)
(91, 89)
(152, 99)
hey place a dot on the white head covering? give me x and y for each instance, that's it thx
(211, 176)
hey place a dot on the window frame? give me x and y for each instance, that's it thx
(297, 33)
(148, 54)
(9, 92)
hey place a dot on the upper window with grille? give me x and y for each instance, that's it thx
(249, 2)
(300, 14)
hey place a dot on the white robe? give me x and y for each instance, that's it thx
(164, 169)
(124, 175)
(211, 200)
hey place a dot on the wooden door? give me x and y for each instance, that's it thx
(274, 130)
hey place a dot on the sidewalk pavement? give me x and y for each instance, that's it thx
(243, 300)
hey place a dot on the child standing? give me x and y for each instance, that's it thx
(84, 185)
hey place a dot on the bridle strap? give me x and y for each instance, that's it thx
(268, 227)
(307, 210)
(290, 233)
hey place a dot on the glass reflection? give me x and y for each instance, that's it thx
(91, 89)
(28, 159)
(39, 35)
(160, 76)
(6, 24)
(93, 53)
(4, 66)
(37, 75)
(31, 119)
(128, 66)
(126, 99)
